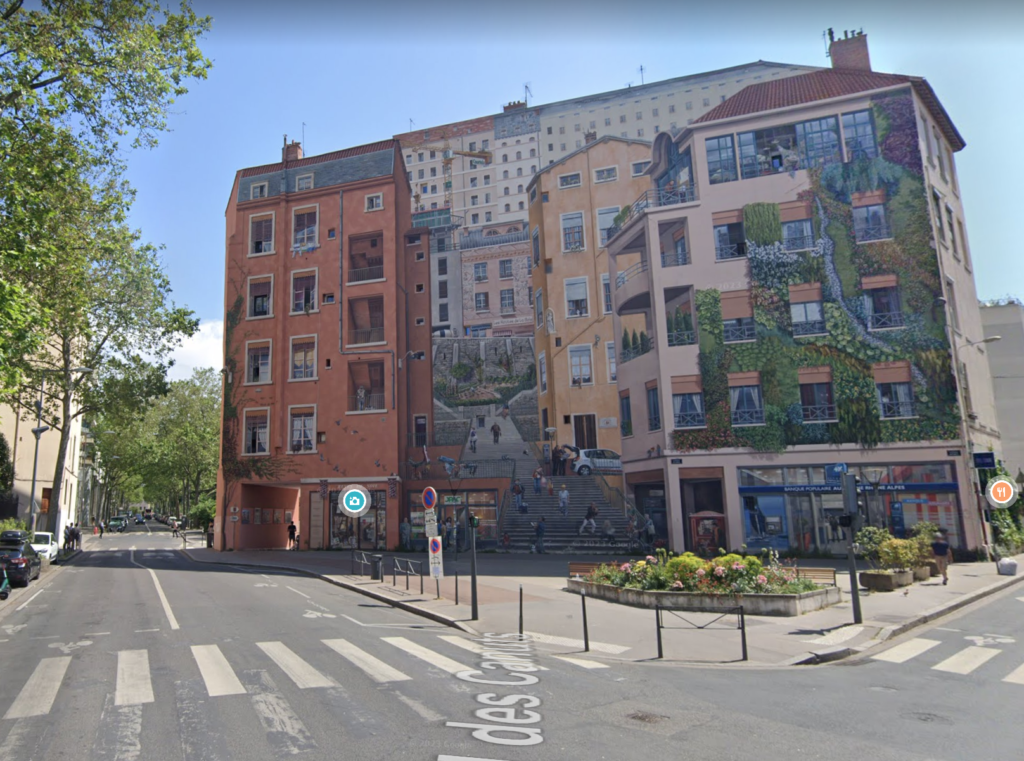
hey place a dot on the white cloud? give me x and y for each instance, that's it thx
(204, 349)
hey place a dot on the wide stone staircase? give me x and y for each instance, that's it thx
(562, 535)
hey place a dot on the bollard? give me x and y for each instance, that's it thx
(407, 572)
(586, 632)
(394, 572)
(438, 583)
(520, 610)
(657, 621)
(421, 578)
(743, 633)
(456, 587)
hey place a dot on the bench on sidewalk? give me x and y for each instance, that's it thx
(825, 577)
(580, 568)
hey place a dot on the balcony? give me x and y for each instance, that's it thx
(366, 336)
(653, 198)
(725, 252)
(675, 258)
(436, 218)
(748, 417)
(654, 423)
(798, 243)
(475, 240)
(362, 274)
(368, 402)
(629, 273)
(819, 413)
(690, 420)
(738, 333)
(891, 410)
(868, 233)
(682, 338)
(628, 354)
(885, 320)
(809, 328)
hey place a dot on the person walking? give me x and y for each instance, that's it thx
(405, 534)
(472, 440)
(517, 495)
(538, 531)
(496, 431)
(76, 533)
(563, 502)
(590, 518)
(608, 531)
(560, 460)
(291, 535)
(448, 533)
(538, 474)
(942, 552)
(100, 526)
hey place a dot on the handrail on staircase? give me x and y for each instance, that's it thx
(616, 497)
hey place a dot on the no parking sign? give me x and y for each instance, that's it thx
(436, 559)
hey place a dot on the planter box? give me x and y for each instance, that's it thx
(885, 581)
(753, 605)
(923, 573)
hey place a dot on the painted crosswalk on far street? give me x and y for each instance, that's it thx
(905, 651)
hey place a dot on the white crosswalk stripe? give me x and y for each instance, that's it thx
(425, 654)
(967, 660)
(1016, 676)
(906, 650)
(300, 672)
(216, 671)
(37, 696)
(373, 667)
(582, 662)
(134, 686)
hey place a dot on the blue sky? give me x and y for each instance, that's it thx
(356, 76)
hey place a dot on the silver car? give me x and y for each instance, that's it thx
(591, 460)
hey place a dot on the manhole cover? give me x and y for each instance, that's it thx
(646, 718)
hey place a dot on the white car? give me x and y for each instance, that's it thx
(597, 460)
(46, 545)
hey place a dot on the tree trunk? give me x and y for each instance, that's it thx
(52, 520)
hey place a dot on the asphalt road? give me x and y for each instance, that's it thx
(144, 655)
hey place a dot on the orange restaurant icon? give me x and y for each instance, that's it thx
(1001, 492)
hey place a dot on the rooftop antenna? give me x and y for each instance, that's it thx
(304, 138)
(641, 70)
(527, 92)
(411, 123)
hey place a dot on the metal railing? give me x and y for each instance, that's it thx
(798, 243)
(629, 354)
(629, 273)
(675, 258)
(469, 242)
(366, 336)
(868, 233)
(361, 274)
(363, 559)
(690, 420)
(404, 566)
(653, 198)
(654, 422)
(819, 412)
(736, 333)
(730, 251)
(371, 401)
(682, 337)
(808, 328)
(506, 503)
(883, 320)
(436, 218)
(898, 409)
(458, 470)
(748, 417)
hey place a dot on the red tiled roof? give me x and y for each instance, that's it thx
(825, 84)
(383, 145)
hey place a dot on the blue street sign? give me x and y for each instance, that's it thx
(429, 498)
(984, 459)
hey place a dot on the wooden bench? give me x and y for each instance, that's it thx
(579, 568)
(825, 577)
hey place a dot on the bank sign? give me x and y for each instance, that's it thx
(837, 488)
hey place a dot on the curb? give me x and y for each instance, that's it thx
(408, 607)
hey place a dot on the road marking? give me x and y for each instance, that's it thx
(465, 758)
(582, 662)
(601, 647)
(119, 734)
(144, 631)
(13, 629)
(419, 708)
(990, 639)
(1016, 676)
(285, 731)
(298, 592)
(160, 593)
(945, 629)
(471, 646)
(374, 668)
(424, 654)
(216, 671)
(967, 660)
(16, 743)
(905, 651)
(37, 696)
(68, 647)
(300, 672)
(25, 604)
(95, 634)
(134, 686)
(317, 614)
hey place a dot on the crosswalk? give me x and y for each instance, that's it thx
(958, 658)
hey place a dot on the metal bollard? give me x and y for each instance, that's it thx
(456, 587)
(520, 610)
(657, 621)
(743, 633)
(586, 632)
(394, 572)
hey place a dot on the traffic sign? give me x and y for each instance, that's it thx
(984, 459)
(429, 498)
(355, 501)
(834, 472)
(436, 559)
(1001, 492)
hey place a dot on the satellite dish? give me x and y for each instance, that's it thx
(550, 430)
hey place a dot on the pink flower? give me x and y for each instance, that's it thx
(651, 559)
(719, 571)
(761, 579)
(738, 567)
(700, 572)
(624, 567)
(677, 585)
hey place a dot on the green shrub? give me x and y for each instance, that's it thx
(870, 539)
(14, 524)
(899, 554)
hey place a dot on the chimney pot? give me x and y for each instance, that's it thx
(292, 151)
(589, 137)
(851, 52)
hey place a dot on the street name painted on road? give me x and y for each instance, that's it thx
(436, 561)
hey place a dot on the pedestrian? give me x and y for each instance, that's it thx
(291, 535)
(942, 552)
(551, 487)
(76, 533)
(590, 518)
(833, 524)
(608, 531)
(517, 495)
(67, 537)
(100, 526)
(405, 534)
(361, 397)
(538, 474)
(649, 529)
(558, 463)
(506, 541)
(496, 431)
(563, 502)
(448, 531)
(538, 531)
(472, 440)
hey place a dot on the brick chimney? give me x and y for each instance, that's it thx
(589, 137)
(292, 151)
(514, 105)
(851, 52)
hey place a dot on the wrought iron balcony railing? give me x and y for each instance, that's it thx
(868, 233)
(366, 336)
(737, 333)
(367, 402)
(690, 420)
(675, 258)
(884, 320)
(629, 273)
(818, 413)
(366, 273)
(748, 417)
(629, 353)
(730, 251)
(809, 328)
(798, 243)
(682, 337)
(654, 198)
(898, 409)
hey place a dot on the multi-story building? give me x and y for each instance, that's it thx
(497, 298)
(490, 196)
(573, 204)
(326, 306)
(830, 311)
(1005, 319)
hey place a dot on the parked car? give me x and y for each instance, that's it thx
(117, 523)
(139, 519)
(20, 561)
(591, 460)
(46, 545)
(13, 536)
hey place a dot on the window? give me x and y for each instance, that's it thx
(576, 297)
(304, 228)
(519, 188)
(937, 200)
(433, 155)
(478, 331)
(606, 288)
(538, 305)
(327, 298)
(433, 171)
(639, 167)
(954, 313)
(442, 312)
(625, 416)
(486, 145)
(508, 301)
(519, 155)
(869, 223)
(423, 190)
(653, 410)
(572, 232)
(519, 172)
(939, 152)
(375, 202)
(474, 219)
(789, 147)
(522, 206)
(817, 403)
(507, 191)
(640, 132)
(859, 136)
(258, 190)
(504, 175)
(433, 190)
(482, 302)
(746, 405)
(257, 366)
(730, 242)
(688, 410)
(580, 365)
(570, 180)
(952, 233)
(304, 291)
(442, 265)
(474, 200)
(301, 439)
(472, 145)
(487, 179)
(487, 216)
(480, 272)
(421, 174)
(504, 269)
(508, 207)
(504, 158)
(542, 372)
(883, 309)
(689, 105)
(551, 146)
(607, 174)
(639, 115)
(609, 350)
(738, 330)
(561, 130)
(256, 430)
(260, 294)
(607, 121)
(304, 182)
(529, 295)
(896, 400)
(808, 318)
(654, 112)
(721, 159)
(798, 235)
(261, 235)
(472, 182)
(442, 289)
(707, 102)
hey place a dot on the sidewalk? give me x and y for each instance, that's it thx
(623, 632)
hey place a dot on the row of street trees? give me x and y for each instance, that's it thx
(86, 318)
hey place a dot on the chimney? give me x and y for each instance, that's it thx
(589, 137)
(292, 151)
(851, 52)
(514, 105)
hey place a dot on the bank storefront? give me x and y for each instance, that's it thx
(799, 507)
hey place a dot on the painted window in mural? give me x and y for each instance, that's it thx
(884, 308)
(653, 410)
(302, 430)
(859, 134)
(896, 400)
(721, 159)
(676, 184)
(747, 405)
(798, 235)
(816, 402)
(739, 330)
(789, 147)
(869, 223)
(368, 532)
(729, 241)
(808, 318)
(688, 410)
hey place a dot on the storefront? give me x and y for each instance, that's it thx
(799, 507)
(483, 503)
(367, 532)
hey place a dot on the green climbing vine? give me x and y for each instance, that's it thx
(762, 224)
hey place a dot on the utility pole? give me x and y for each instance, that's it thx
(641, 70)
(852, 516)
